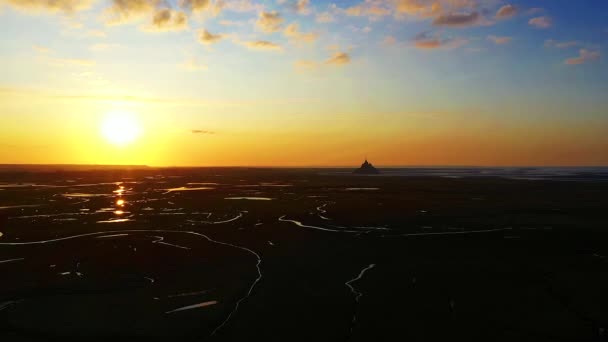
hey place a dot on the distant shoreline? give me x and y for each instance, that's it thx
(67, 167)
(95, 167)
(527, 173)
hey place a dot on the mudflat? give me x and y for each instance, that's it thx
(300, 255)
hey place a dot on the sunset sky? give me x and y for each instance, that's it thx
(304, 83)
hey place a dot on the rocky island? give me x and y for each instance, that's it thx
(366, 169)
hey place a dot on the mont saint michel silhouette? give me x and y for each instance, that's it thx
(366, 169)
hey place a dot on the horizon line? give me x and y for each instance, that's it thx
(386, 166)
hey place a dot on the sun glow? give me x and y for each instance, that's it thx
(121, 128)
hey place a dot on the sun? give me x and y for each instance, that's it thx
(121, 128)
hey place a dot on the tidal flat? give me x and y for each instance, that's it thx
(301, 255)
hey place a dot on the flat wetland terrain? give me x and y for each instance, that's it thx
(300, 255)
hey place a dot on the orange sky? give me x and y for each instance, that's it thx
(303, 83)
(65, 135)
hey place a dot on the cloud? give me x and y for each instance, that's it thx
(200, 131)
(354, 11)
(457, 19)
(500, 40)
(389, 40)
(167, 20)
(550, 43)
(103, 47)
(125, 11)
(450, 13)
(240, 5)
(371, 9)
(428, 41)
(325, 17)
(419, 8)
(199, 6)
(261, 45)
(50, 6)
(584, 56)
(304, 65)
(339, 58)
(205, 37)
(428, 44)
(195, 5)
(506, 11)
(365, 29)
(541, 22)
(449, 9)
(217, 7)
(302, 7)
(292, 31)
(269, 21)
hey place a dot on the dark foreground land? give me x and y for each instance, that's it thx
(301, 256)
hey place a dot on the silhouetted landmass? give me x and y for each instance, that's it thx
(366, 169)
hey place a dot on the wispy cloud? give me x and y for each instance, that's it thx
(371, 9)
(541, 22)
(423, 9)
(506, 11)
(305, 65)
(325, 17)
(550, 43)
(457, 19)
(196, 5)
(206, 37)
(103, 47)
(293, 32)
(500, 40)
(261, 45)
(125, 11)
(269, 21)
(389, 40)
(167, 20)
(52, 6)
(339, 58)
(585, 56)
(365, 29)
(200, 131)
(303, 7)
(240, 5)
(429, 41)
